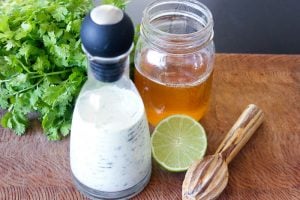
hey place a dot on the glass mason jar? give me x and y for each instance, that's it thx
(174, 59)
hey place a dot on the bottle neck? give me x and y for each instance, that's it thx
(107, 69)
(177, 26)
(107, 72)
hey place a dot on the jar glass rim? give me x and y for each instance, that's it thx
(207, 27)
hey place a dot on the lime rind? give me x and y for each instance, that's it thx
(170, 156)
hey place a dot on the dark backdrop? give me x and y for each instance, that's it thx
(256, 26)
(249, 26)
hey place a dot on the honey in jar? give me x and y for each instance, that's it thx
(174, 59)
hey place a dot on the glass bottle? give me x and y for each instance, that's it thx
(110, 150)
(174, 59)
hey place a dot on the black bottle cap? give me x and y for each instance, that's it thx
(107, 32)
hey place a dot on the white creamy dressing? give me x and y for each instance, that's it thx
(110, 143)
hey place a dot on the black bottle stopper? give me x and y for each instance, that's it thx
(107, 36)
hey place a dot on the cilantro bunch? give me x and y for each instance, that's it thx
(42, 66)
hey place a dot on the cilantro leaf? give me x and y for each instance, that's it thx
(16, 121)
(118, 3)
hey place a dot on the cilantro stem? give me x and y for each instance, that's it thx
(25, 68)
(7, 80)
(10, 107)
(29, 88)
(51, 73)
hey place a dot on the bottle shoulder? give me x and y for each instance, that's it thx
(93, 84)
(116, 103)
(94, 93)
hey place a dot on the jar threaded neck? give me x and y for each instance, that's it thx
(176, 25)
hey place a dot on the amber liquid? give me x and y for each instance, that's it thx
(162, 100)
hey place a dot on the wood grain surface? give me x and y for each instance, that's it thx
(268, 167)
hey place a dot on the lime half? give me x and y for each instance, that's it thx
(178, 141)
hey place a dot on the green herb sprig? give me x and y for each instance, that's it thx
(42, 66)
(118, 3)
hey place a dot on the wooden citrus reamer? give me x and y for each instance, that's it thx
(207, 178)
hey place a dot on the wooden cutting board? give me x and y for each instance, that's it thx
(268, 167)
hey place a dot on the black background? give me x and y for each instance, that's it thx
(256, 26)
(248, 26)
